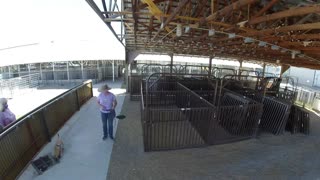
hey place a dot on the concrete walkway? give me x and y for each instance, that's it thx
(86, 155)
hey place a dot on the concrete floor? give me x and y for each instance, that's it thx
(267, 157)
(86, 155)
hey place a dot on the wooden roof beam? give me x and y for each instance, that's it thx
(285, 29)
(293, 37)
(154, 10)
(288, 13)
(234, 6)
(266, 8)
(173, 15)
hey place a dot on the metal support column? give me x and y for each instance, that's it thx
(263, 69)
(29, 72)
(126, 76)
(240, 67)
(210, 66)
(171, 63)
(68, 73)
(53, 71)
(18, 70)
(81, 69)
(40, 70)
(97, 72)
(113, 70)
(9, 72)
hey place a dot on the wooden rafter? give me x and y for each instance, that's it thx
(266, 8)
(169, 19)
(298, 27)
(234, 6)
(292, 29)
(155, 11)
(288, 13)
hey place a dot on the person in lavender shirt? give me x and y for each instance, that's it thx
(107, 102)
(6, 116)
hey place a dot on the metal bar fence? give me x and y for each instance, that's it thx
(275, 115)
(173, 117)
(134, 86)
(21, 141)
(299, 121)
(238, 119)
(170, 123)
(19, 85)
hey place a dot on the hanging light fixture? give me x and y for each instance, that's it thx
(283, 50)
(231, 35)
(274, 47)
(211, 32)
(293, 55)
(248, 40)
(187, 29)
(262, 44)
(306, 43)
(179, 30)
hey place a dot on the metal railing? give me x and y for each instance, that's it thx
(22, 140)
(19, 85)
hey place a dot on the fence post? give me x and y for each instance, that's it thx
(44, 125)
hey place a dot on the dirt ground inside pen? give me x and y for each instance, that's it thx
(267, 157)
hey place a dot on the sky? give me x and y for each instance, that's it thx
(62, 30)
(70, 22)
(31, 21)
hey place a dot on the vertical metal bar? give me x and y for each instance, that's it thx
(210, 66)
(68, 73)
(240, 67)
(82, 70)
(113, 70)
(263, 69)
(53, 73)
(40, 72)
(9, 72)
(171, 63)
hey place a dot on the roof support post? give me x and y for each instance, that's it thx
(82, 76)
(210, 66)
(29, 72)
(113, 70)
(284, 68)
(130, 56)
(240, 67)
(171, 63)
(68, 72)
(263, 69)
(53, 72)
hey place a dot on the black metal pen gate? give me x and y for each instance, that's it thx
(174, 116)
